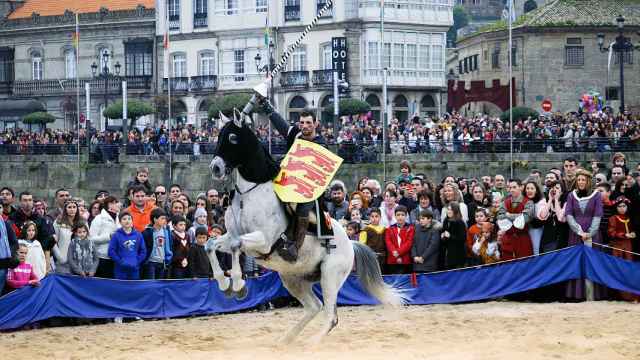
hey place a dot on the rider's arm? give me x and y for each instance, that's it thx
(281, 125)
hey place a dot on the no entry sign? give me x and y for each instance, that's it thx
(547, 105)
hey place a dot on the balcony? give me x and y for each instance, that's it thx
(174, 22)
(292, 12)
(294, 79)
(320, 5)
(200, 20)
(178, 84)
(5, 87)
(323, 77)
(61, 87)
(203, 83)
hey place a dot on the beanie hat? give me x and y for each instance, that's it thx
(200, 212)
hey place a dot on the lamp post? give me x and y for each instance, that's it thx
(105, 75)
(620, 46)
(267, 68)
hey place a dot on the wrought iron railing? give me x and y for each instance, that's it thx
(292, 79)
(322, 77)
(178, 84)
(174, 22)
(200, 20)
(292, 12)
(204, 83)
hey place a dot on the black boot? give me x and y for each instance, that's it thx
(291, 246)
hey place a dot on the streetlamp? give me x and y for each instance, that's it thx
(267, 68)
(105, 74)
(621, 46)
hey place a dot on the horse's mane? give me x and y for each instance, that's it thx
(258, 165)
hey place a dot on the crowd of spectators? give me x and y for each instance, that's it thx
(413, 223)
(359, 138)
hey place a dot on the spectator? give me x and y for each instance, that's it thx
(486, 245)
(353, 231)
(127, 250)
(159, 242)
(62, 195)
(35, 254)
(473, 234)
(388, 209)
(554, 229)
(479, 199)
(200, 216)
(23, 274)
(373, 235)
(26, 213)
(63, 226)
(450, 193)
(8, 249)
(7, 197)
(399, 239)
(141, 179)
(570, 165)
(424, 203)
(198, 259)
(181, 247)
(608, 209)
(540, 214)
(499, 185)
(453, 236)
(174, 192)
(426, 244)
(140, 209)
(405, 172)
(94, 210)
(622, 235)
(583, 212)
(83, 257)
(161, 197)
(102, 229)
(514, 214)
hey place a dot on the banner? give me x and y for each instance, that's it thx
(305, 172)
(72, 296)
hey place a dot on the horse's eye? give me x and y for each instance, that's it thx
(233, 139)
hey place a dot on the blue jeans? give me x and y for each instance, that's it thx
(3, 279)
(153, 270)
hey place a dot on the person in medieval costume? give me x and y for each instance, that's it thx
(515, 212)
(306, 130)
(583, 212)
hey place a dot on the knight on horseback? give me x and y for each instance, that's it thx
(306, 130)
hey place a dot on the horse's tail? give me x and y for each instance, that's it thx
(368, 271)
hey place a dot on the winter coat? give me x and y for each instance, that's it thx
(147, 234)
(403, 247)
(127, 250)
(83, 257)
(61, 248)
(455, 244)
(35, 257)
(102, 228)
(426, 244)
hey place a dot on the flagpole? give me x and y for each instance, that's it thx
(77, 46)
(384, 94)
(167, 61)
(510, 16)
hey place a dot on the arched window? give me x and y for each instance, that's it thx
(179, 113)
(70, 63)
(428, 106)
(207, 63)
(36, 65)
(296, 105)
(179, 65)
(374, 102)
(401, 108)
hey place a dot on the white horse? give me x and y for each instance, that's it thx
(256, 219)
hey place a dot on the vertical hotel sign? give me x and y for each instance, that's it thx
(339, 58)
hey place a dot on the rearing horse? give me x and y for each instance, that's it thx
(255, 220)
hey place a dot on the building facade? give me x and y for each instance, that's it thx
(555, 57)
(213, 46)
(38, 64)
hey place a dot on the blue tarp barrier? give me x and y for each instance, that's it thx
(72, 296)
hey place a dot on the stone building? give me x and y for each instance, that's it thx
(38, 57)
(213, 45)
(484, 12)
(556, 57)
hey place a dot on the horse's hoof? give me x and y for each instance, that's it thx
(238, 285)
(228, 292)
(242, 294)
(225, 284)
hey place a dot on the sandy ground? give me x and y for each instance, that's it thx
(494, 330)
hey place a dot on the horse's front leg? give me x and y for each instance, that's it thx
(218, 273)
(254, 242)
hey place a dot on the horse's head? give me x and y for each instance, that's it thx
(235, 143)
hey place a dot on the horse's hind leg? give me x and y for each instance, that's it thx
(302, 290)
(334, 273)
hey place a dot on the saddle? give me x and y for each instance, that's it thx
(326, 229)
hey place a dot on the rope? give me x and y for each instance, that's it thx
(614, 248)
(287, 53)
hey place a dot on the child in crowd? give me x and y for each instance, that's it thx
(353, 231)
(127, 250)
(199, 220)
(426, 244)
(373, 235)
(481, 216)
(485, 245)
(158, 245)
(454, 233)
(82, 256)
(399, 239)
(22, 275)
(198, 259)
(622, 235)
(181, 246)
(35, 255)
(356, 216)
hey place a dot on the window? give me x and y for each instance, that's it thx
(207, 63)
(386, 56)
(321, 4)
(438, 62)
(174, 14)
(36, 65)
(612, 93)
(373, 55)
(299, 59)
(574, 52)
(138, 58)
(231, 6)
(327, 59)
(398, 56)
(291, 10)
(199, 13)
(238, 65)
(412, 56)
(628, 57)
(179, 65)
(424, 61)
(70, 63)
(6, 65)
(495, 58)
(261, 6)
(514, 55)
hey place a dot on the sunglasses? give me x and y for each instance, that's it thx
(160, 192)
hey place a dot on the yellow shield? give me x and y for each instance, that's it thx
(305, 172)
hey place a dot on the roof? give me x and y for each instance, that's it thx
(572, 13)
(58, 7)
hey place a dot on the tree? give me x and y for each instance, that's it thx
(161, 104)
(38, 117)
(135, 110)
(520, 113)
(530, 5)
(350, 107)
(460, 20)
(227, 103)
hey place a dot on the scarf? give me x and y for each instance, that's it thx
(5, 249)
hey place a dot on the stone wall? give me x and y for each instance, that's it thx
(42, 175)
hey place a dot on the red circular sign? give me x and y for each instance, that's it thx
(546, 105)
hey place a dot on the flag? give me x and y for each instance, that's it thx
(509, 12)
(75, 37)
(267, 32)
(165, 45)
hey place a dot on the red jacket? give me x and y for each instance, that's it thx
(404, 249)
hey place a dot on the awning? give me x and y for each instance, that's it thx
(15, 108)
